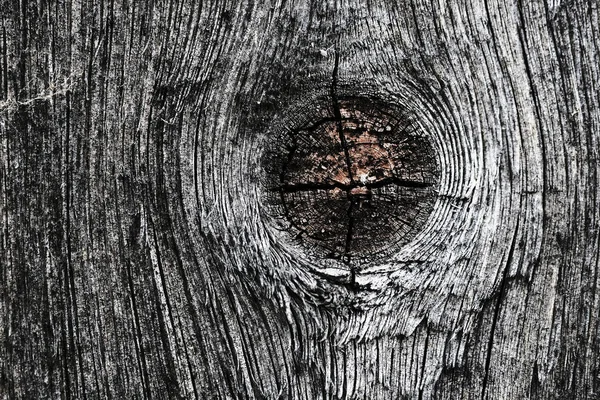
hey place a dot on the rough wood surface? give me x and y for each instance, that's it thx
(140, 255)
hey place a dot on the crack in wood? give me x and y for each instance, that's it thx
(354, 173)
(306, 186)
(355, 179)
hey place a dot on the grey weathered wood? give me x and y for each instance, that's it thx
(138, 258)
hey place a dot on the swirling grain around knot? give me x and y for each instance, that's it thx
(281, 149)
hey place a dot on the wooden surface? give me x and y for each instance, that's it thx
(140, 256)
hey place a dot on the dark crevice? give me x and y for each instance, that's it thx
(350, 231)
(306, 186)
(352, 285)
(338, 116)
(398, 182)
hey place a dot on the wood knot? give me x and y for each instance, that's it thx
(357, 182)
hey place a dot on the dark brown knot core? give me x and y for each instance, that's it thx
(358, 183)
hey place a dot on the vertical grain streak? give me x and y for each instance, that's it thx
(524, 50)
(139, 346)
(496, 314)
(424, 363)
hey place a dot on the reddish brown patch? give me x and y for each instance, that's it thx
(323, 160)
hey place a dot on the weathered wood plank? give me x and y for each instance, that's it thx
(140, 254)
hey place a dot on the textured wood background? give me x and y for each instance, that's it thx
(139, 258)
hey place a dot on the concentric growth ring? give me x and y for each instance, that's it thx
(356, 184)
